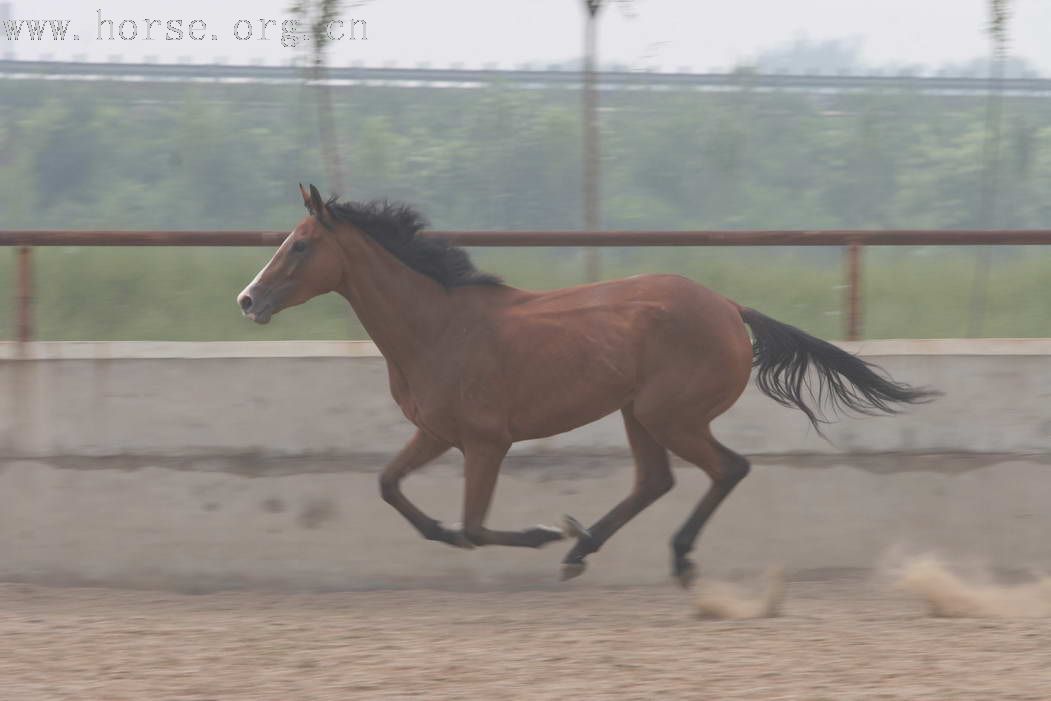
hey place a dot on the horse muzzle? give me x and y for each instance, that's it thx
(256, 304)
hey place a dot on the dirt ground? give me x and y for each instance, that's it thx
(843, 639)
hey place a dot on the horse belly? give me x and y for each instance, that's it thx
(556, 402)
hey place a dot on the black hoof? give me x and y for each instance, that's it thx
(685, 572)
(572, 569)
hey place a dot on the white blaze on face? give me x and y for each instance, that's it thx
(247, 292)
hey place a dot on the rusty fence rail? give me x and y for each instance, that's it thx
(852, 242)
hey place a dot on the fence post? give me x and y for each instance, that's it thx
(853, 292)
(590, 151)
(24, 298)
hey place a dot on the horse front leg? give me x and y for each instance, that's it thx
(419, 451)
(481, 467)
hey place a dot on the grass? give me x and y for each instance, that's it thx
(188, 294)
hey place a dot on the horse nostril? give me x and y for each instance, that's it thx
(246, 302)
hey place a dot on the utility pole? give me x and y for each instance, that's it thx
(999, 14)
(319, 13)
(590, 136)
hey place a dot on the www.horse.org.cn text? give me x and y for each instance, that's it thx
(290, 32)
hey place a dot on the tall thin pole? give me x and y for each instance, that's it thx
(319, 15)
(853, 292)
(592, 260)
(330, 149)
(988, 215)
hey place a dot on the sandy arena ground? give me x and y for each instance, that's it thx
(836, 640)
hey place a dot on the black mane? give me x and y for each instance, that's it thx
(397, 227)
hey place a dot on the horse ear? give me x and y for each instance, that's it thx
(306, 197)
(317, 206)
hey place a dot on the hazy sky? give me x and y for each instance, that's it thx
(668, 34)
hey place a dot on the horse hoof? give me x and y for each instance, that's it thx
(542, 535)
(572, 569)
(459, 540)
(573, 528)
(685, 572)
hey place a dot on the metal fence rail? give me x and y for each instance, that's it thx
(852, 241)
(520, 77)
(729, 237)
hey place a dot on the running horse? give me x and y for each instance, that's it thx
(477, 364)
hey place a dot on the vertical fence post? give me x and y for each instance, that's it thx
(24, 298)
(590, 151)
(853, 292)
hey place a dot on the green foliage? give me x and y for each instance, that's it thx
(203, 156)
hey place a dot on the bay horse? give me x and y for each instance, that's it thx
(477, 365)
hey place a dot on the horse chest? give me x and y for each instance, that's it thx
(422, 413)
(402, 394)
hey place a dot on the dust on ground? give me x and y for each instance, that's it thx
(844, 639)
(949, 593)
(722, 600)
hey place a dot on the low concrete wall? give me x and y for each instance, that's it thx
(331, 398)
(198, 466)
(199, 525)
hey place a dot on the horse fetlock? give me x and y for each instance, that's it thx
(474, 535)
(432, 529)
(680, 548)
(685, 571)
(586, 542)
(542, 535)
(460, 539)
(451, 536)
(573, 528)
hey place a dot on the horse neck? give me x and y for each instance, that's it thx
(403, 311)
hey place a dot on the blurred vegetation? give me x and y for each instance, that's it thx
(214, 156)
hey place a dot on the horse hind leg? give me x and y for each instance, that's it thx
(725, 468)
(653, 478)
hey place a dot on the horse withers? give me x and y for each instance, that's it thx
(477, 365)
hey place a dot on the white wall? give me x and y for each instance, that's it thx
(197, 466)
(294, 398)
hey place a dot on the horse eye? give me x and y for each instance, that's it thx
(299, 246)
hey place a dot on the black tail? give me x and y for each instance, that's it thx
(784, 356)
